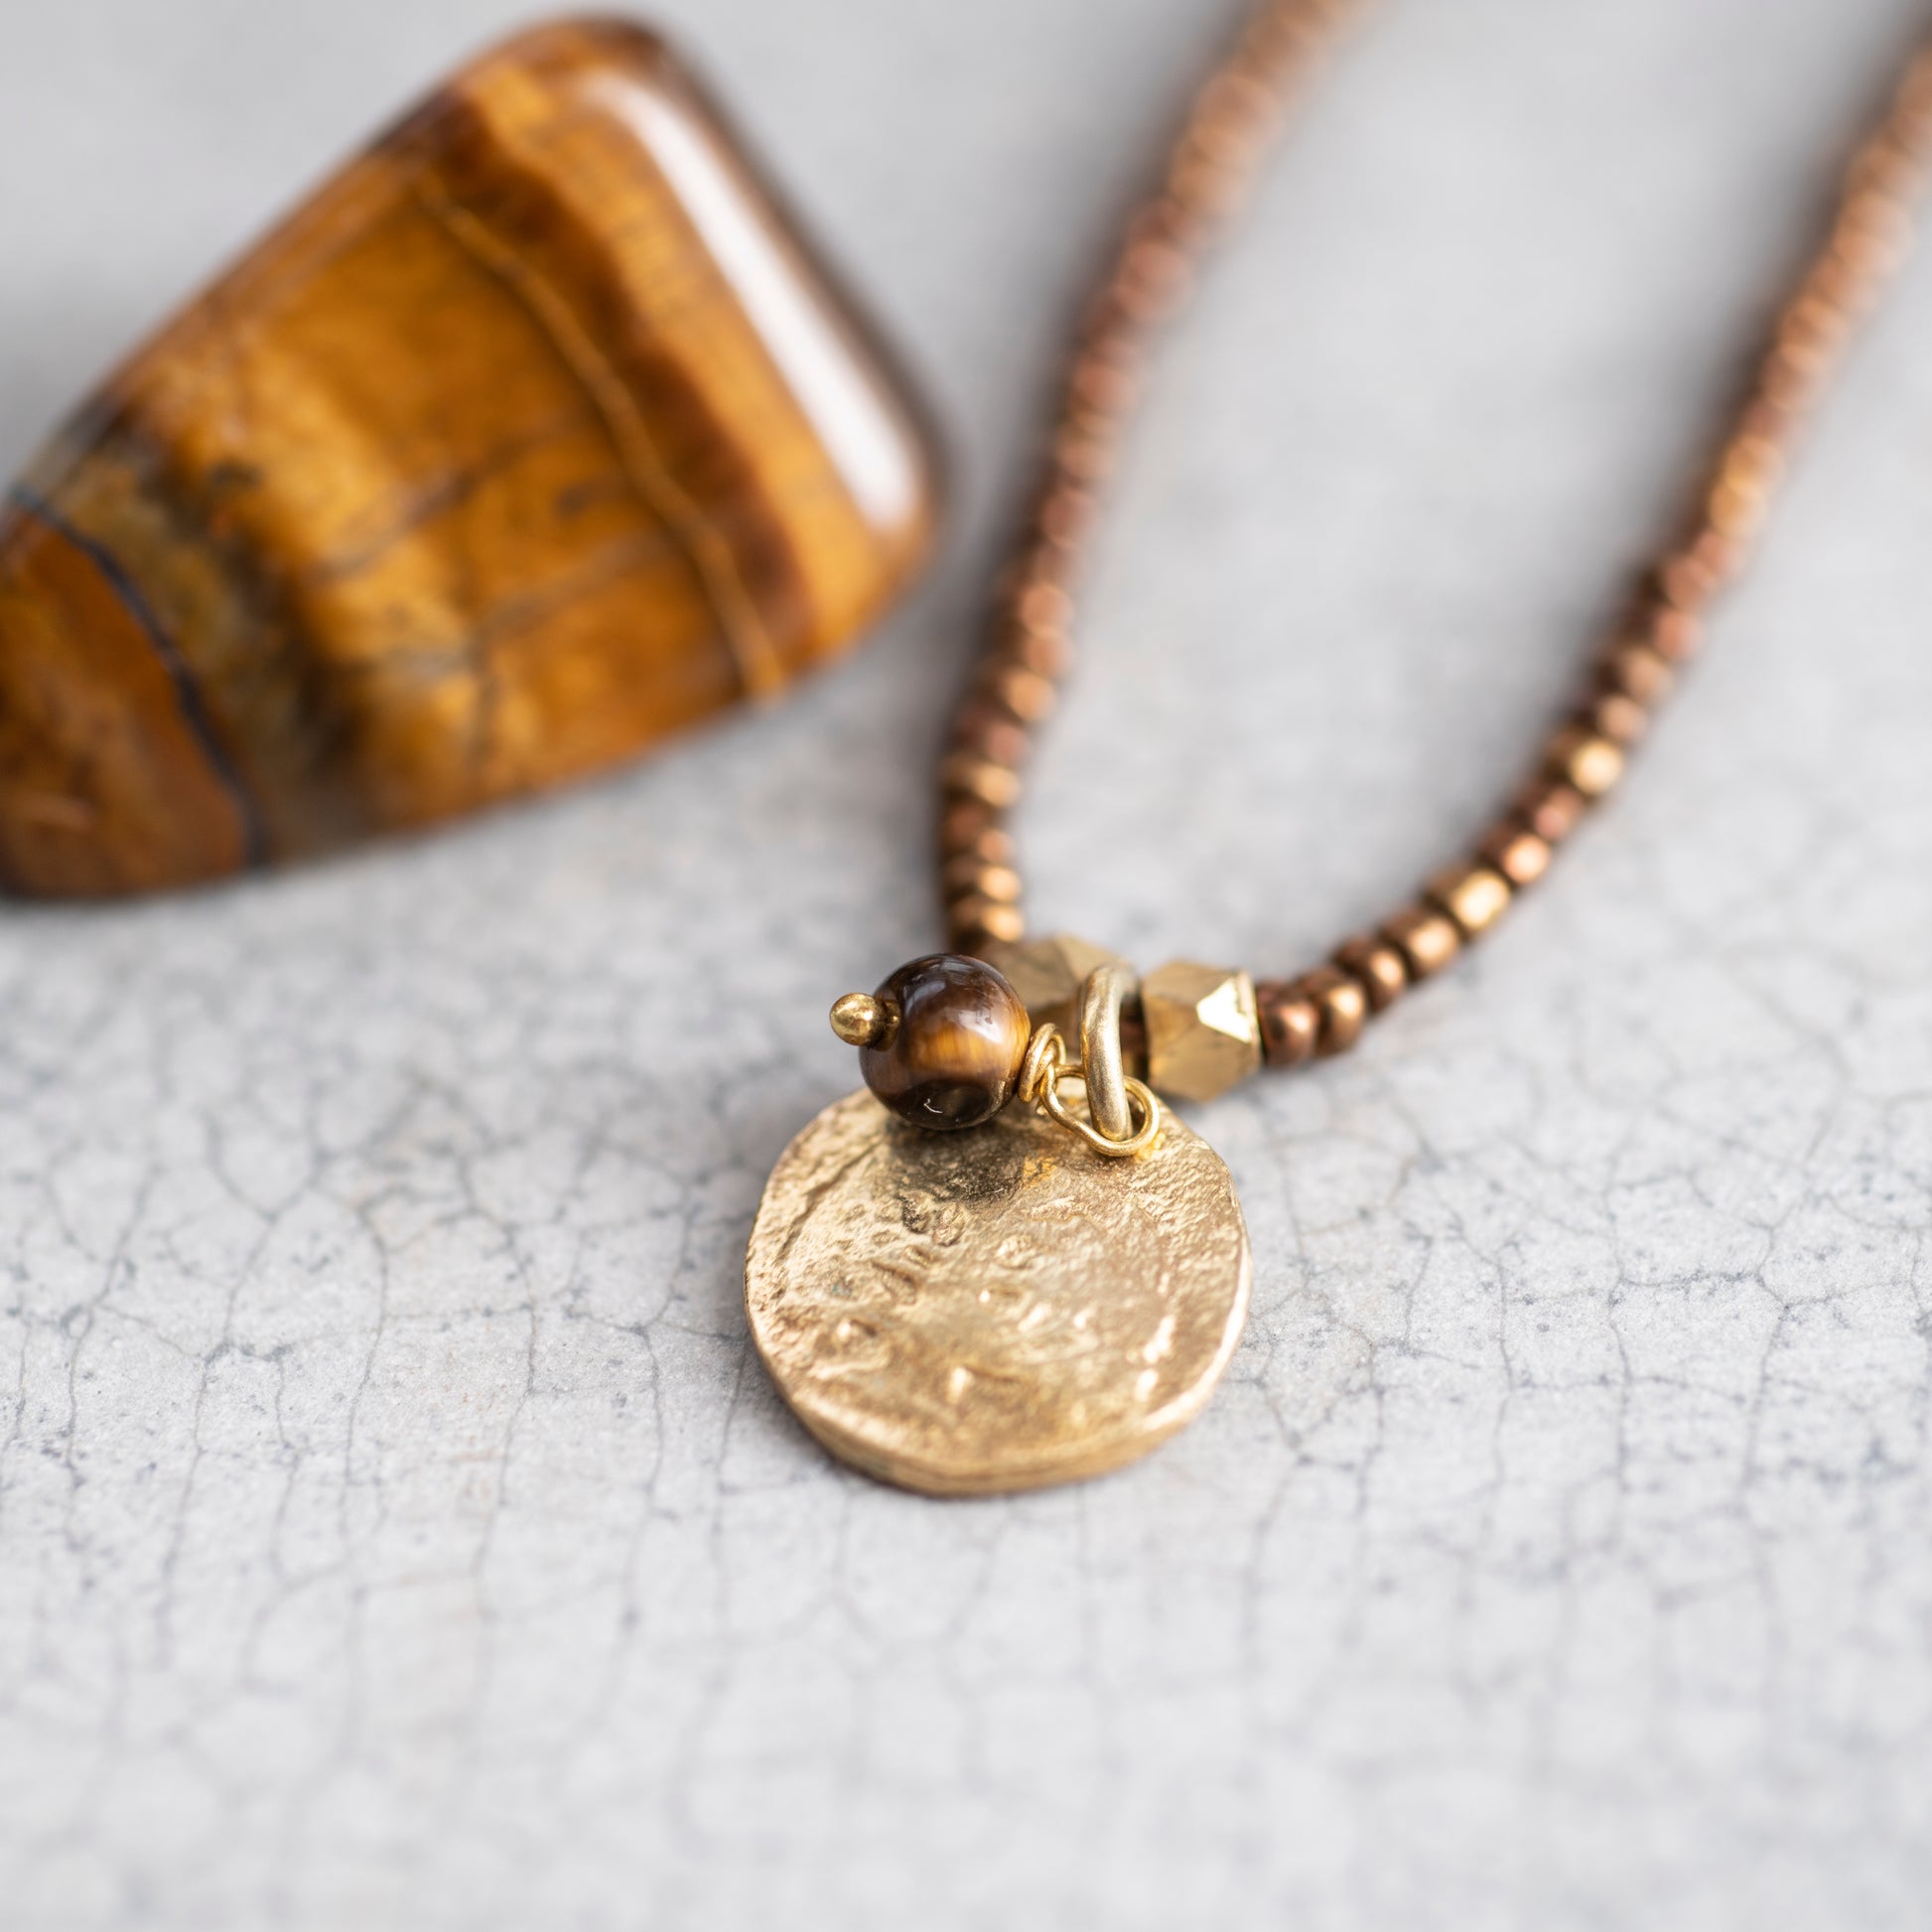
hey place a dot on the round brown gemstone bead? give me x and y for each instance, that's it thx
(958, 1034)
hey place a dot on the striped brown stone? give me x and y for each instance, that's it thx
(536, 434)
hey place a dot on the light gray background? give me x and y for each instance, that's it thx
(394, 1529)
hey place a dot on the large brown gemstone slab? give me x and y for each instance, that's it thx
(535, 435)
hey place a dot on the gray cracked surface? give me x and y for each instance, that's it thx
(392, 1528)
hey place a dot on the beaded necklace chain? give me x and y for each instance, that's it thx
(1026, 652)
(951, 1293)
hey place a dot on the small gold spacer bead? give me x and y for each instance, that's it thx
(860, 1020)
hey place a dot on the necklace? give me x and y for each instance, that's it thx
(1020, 1268)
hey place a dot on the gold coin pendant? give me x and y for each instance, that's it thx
(993, 1310)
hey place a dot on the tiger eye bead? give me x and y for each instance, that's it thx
(951, 1051)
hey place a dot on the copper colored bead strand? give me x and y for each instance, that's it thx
(1324, 1012)
(1209, 167)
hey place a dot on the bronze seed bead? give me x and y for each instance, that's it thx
(1067, 516)
(957, 1039)
(1043, 606)
(973, 879)
(1675, 635)
(1045, 653)
(1585, 760)
(1426, 938)
(965, 822)
(1475, 896)
(1086, 455)
(988, 735)
(1521, 857)
(1289, 1024)
(1043, 567)
(1378, 967)
(1025, 694)
(976, 944)
(1692, 577)
(1000, 884)
(994, 784)
(1550, 809)
(1341, 1004)
(1786, 382)
(1620, 717)
(994, 847)
(980, 920)
(1639, 672)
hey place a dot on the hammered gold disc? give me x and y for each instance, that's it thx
(998, 1309)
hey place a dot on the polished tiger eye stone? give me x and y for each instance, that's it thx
(536, 434)
(948, 1046)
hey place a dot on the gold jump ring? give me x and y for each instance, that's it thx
(1140, 1097)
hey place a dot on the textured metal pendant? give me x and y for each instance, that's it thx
(995, 1310)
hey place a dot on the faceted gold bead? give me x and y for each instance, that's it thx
(1204, 1035)
(1049, 973)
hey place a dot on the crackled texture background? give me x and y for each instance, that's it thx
(395, 1530)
